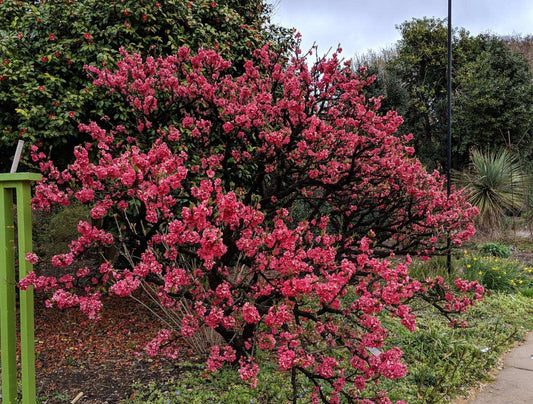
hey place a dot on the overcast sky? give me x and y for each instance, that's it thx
(360, 25)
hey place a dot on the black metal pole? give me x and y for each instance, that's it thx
(449, 137)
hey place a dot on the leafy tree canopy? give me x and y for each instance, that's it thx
(492, 90)
(493, 99)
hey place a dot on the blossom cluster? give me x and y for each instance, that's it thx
(279, 207)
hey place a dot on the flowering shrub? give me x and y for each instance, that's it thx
(273, 204)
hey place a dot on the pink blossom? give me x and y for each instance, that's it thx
(62, 260)
(286, 358)
(82, 272)
(250, 313)
(91, 305)
(32, 258)
(154, 346)
(85, 195)
(248, 372)
(98, 212)
(126, 286)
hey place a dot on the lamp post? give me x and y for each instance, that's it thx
(449, 137)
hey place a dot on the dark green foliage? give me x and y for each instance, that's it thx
(493, 99)
(527, 292)
(54, 230)
(420, 65)
(44, 89)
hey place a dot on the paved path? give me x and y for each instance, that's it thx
(514, 383)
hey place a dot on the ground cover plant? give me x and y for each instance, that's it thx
(444, 362)
(495, 249)
(277, 208)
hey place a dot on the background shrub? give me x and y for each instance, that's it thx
(54, 230)
(500, 274)
(495, 249)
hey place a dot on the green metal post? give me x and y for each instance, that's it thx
(21, 183)
(7, 297)
(27, 333)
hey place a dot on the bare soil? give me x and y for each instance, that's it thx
(100, 359)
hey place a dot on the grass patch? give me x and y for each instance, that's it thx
(437, 266)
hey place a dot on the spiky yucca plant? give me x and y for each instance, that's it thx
(496, 185)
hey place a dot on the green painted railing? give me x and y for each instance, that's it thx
(18, 184)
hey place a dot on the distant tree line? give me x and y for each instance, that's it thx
(492, 90)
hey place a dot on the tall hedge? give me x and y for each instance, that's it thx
(44, 46)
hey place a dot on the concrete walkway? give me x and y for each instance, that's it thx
(514, 383)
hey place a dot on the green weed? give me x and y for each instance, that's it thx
(224, 386)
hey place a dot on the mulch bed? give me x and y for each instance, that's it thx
(101, 359)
